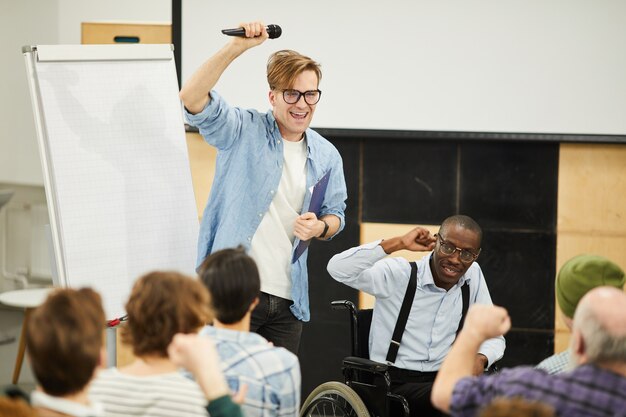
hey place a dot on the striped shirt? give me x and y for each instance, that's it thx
(586, 391)
(271, 373)
(163, 395)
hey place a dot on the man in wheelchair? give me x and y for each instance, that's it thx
(420, 306)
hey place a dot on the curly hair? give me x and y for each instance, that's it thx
(160, 305)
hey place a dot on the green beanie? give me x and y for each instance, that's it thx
(580, 275)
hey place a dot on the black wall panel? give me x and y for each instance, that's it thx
(509, 185)
(519, 270)
(526, 347)
(325, 339)
(409, 182)
(509, 188)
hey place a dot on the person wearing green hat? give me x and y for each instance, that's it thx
(577, 277)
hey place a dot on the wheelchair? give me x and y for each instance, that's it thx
(367, 388)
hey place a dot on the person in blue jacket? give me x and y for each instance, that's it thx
(267, 165)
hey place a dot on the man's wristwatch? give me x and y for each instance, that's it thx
(323, 235)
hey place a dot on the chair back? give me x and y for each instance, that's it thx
(364, 321)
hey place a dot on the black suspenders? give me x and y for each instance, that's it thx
(403, 316)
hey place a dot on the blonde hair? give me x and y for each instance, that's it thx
(283, 67)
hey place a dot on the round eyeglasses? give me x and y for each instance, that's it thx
(311, 97)
(448, 249)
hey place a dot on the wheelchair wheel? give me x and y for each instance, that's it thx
(333, 399)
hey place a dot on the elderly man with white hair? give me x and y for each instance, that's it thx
(595, 387)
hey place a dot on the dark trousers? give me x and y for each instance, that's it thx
(273, 320)
(415, 387)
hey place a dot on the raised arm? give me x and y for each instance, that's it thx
(416, 240)
(195, 92)
(360, 268)
(482, 322)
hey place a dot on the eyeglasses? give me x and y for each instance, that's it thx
(310, 97)
(448, 249)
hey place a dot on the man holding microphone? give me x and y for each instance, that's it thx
(267, 165)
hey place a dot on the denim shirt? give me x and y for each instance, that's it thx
(247, 173)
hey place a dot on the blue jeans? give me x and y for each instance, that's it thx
(273, 320)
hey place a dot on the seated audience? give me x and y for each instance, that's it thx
(162, 304)
(271, 374)
(446, 282)
(576, 277)
(198, 355)
(595, 387)
(64, 341)
(516, 407)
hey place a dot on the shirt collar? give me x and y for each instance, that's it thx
(233, 335)
(61, 405)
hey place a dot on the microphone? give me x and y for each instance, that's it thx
(274, 31)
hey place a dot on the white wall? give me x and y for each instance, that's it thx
(32, 22)
(475, 65)
(73, 12)
(25, 22)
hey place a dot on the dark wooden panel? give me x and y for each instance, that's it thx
(409, 182)
(324, 345)
(519, 270)
(509, 188)
(510, 185)
(325, 339)
(526, 347)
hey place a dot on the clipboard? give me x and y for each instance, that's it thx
(317, 198)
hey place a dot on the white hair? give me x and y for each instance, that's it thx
(601, 345)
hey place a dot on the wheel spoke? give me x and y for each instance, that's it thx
(334, 399)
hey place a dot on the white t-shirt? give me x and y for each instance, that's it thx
(272, 242)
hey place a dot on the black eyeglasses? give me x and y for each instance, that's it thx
(448, 249)
(310, 97)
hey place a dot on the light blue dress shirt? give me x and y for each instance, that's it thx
(247, 174)
(435, 313)
(271, 373)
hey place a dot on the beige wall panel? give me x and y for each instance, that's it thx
(571, 244)
(592, 189)
(561, 341)
(374, 231)
(591, 209)
(202, 158)
(105, 32)
(124, 353)
(559, 324)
